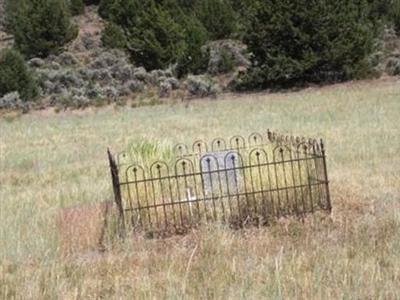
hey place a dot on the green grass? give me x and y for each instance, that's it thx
(50, 161)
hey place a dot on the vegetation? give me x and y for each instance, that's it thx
(113, 36)
(154, 39)
(351, 255)
(303, 41)
(10, 9)
(42, 27)
(105, 7)
(385, 12)
(77, 7)
(292, 42)
(193, 59)
(163, 33)
(395, 15)
(218, 17)
(15, 76)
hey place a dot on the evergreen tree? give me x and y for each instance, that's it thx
(42, 27)
(218, 17)
(297, 41)
(11, 7)
(91, 2)
(15, 75)
(113, 36)
(154, 39)
(395, 15)
(193, 59)
(105, 7)
(77, 7)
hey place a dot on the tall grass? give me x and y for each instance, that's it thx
(50, 161)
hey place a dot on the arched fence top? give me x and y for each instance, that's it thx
(244, 146)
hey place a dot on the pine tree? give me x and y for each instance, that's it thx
(298, 41)
(16, 76)
(42, 27)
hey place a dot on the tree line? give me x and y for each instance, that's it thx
(290, 42)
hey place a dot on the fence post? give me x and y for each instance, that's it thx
(326, 177)
(117, 192)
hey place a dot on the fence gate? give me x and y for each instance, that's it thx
(237, 181)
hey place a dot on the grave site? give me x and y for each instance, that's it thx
(237, 181)
(223, 232)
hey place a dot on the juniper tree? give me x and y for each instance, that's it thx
(16, 76)
(154, 40)
(297, 41)
(77, 7)
(193, 59)
(113, 36)
(218, 17)
(42, 27)
(105, 7)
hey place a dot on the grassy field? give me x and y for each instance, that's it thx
(51, 161)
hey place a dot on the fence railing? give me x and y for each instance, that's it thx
(237, 182)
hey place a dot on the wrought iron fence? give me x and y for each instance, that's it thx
(242, 181)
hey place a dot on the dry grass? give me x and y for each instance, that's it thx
(81, 228)
(51, 161)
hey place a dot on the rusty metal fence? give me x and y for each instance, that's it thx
(239, 181)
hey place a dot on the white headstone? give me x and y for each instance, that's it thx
(219, 172)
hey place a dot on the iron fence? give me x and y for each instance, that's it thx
(242, 181)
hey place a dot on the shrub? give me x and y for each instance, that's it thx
(221, 62)
(393, 66)
(201, 86)
(67, 59)
(11, 101)
(303, 41)
(226, 55)
(76, 7)
(42, 27)
(113, 36)
(15, 76)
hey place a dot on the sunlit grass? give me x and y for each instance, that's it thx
(49, 161)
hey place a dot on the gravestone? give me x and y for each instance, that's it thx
(219, 173)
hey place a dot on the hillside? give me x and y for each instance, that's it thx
(87, 73)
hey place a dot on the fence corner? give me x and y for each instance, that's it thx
(117, 192)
